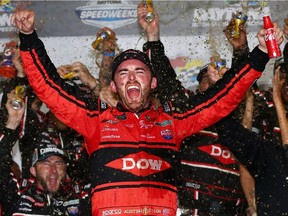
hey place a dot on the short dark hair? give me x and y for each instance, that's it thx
(202, 72)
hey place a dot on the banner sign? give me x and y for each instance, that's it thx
(177, 18)
(192, 31)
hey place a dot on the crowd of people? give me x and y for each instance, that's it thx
(135, 141)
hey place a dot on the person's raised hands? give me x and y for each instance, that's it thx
(239, 42)
(109, 44)
(277, 82)
(108, 97)
(151, 28)
(261, 35)
(24, 20)
(16, 59)
(77, 70)
(14, 116)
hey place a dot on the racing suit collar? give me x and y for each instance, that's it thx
(151, 112)
(120, 107)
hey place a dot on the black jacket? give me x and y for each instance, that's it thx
(24, 197)
(29, 127)
(265, 160)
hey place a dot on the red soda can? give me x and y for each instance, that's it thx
(273, 48)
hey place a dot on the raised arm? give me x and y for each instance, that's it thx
(108, 50)
(247, 119)
(105, 47)
(80, 71)
(279, 106)
(239, 44)
(223, 97)
(70, 105)
(169, 86)
(8, 137)
(152, 28)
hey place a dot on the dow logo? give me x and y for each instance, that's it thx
(219, 152)
(112, 14)
(140, 164)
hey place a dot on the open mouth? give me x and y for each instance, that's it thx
(133, 91)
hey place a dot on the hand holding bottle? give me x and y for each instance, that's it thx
(151, 28)
(240, 41)
(14, 115)
(270, 38)
(18, 99)
(262, 34)
(105, 39)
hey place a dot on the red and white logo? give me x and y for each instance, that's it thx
(140, 164)
(219, 152)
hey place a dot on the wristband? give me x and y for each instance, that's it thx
(109, 54)
(93, 89)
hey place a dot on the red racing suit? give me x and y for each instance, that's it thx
(133, 155)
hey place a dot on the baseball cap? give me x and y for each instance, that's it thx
(131, 54)
(47, 146)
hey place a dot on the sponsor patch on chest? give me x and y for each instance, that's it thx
(140, 164)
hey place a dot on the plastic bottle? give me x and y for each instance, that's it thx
(272, 47)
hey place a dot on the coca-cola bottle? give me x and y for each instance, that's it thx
(273, 48)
